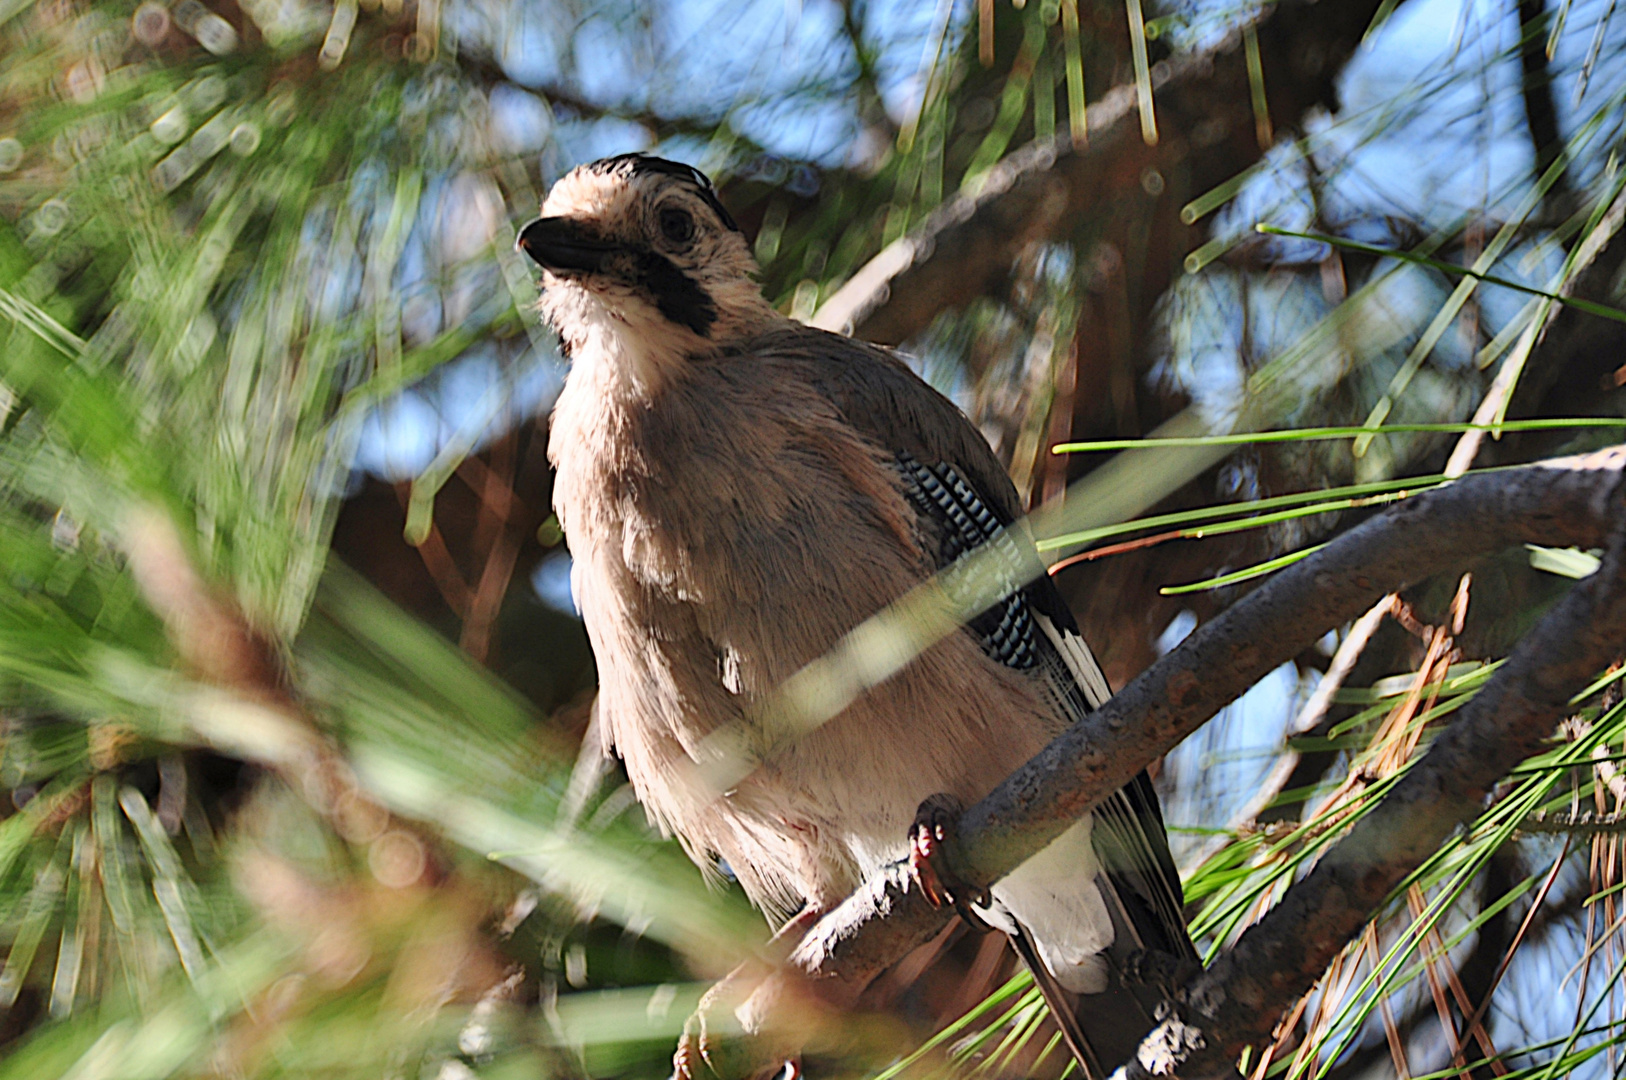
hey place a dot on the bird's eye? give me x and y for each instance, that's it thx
(676, 225)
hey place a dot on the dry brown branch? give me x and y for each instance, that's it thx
(1234, 1002)
(495, 536)
(246, 707)
(439, 564)
(966, 247)
(1574, 501)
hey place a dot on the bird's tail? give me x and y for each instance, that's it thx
(1061, 1005)
(1101, 1030)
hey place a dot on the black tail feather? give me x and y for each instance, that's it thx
(1061, 1005)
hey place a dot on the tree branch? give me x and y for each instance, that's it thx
(1536, 87)
(1573, 501)
(1237, 1000)
(254, 714)
(964, 249)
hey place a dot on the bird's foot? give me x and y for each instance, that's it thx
(753, 1023)
(716, 1046)
(931, 839)
(689, 1060)
(701, 1056)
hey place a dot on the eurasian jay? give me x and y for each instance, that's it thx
(739, 491)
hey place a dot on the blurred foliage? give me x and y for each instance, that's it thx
(255, 262)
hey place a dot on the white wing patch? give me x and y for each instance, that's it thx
(1080, 661)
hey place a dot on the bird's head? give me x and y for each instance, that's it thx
(641, 259)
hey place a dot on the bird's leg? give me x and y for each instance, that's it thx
(787, 937)
(703, 1053)
(931, 839)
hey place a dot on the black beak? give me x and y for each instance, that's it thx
(561, 244)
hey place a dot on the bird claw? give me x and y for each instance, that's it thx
(930, 837)
(702, 1056)
(689, 1060)
(745, 1026)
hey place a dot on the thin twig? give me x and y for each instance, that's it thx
(1287, 759)
(494, 534)
(442, 568)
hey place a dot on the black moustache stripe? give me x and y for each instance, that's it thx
(678, 296)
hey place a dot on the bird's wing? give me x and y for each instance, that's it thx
(1033, 628)
(965, 497)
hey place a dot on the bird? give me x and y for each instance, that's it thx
(738, 492)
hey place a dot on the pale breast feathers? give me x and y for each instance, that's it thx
(759, 518)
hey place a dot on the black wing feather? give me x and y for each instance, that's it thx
(965, 499)
(1130, 835)
(964, 522)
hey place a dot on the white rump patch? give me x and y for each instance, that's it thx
(1055, 897)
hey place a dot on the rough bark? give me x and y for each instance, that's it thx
(1559, 503)
(1237, 1001)
(1574, 501)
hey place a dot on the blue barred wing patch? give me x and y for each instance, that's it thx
(1006, 629)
